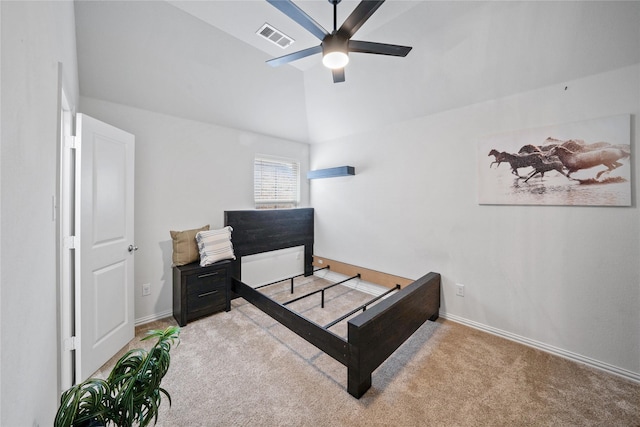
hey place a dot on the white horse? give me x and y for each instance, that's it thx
(575, 161)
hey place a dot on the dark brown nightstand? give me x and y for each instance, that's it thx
(200, 291)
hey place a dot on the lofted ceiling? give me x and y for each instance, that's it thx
(202, 60)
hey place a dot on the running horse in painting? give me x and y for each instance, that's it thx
(578, 160)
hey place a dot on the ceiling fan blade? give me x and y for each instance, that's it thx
(295, 55)
(378, 48)
(338, 75)
(294, 12)
(358, 17)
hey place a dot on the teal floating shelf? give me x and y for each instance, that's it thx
(331, 172)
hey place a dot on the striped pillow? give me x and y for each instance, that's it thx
(215, 245)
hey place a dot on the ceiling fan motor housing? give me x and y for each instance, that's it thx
(335, 43)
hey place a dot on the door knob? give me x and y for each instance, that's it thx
(132, 248)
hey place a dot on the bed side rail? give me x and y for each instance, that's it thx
(325, 340)
(376, 333)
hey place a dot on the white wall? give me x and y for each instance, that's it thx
(187, 174)
(563, 278)
(36, 36)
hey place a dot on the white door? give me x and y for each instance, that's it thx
(104, 290)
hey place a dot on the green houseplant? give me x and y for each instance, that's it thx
(131, 393)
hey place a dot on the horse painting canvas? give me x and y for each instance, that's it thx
(584, 163)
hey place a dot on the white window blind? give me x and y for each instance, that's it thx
(276, 183)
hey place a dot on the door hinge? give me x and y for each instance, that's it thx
(70, 343)
(71, 141)
(70, 242)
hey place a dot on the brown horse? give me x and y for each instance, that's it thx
(498, 157)
(517, 161)
(579, 146)
(529, 148)
(546, 164)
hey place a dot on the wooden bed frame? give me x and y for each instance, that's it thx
(372, 335)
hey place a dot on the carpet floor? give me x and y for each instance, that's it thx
(242, 368)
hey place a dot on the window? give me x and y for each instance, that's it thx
(276, 183)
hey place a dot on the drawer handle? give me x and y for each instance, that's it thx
(207, 294)
(215, 273)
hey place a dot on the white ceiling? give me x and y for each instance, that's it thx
(202, 60)
(224, 16)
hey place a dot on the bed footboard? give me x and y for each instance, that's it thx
(376, 333)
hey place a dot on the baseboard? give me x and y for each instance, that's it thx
(153, 317)
(632, 376)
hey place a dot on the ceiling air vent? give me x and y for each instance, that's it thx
(274, 36)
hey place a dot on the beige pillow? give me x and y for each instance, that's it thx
(185, 247)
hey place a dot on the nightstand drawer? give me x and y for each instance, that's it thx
(206, 281)
(207, 302)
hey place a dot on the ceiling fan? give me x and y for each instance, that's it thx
(335, 46)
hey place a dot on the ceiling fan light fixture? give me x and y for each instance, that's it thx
(335, 60)
(335, 52)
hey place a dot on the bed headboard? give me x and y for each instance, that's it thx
(258, 231)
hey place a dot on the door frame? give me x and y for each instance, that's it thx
(65, 245)
(65, 204)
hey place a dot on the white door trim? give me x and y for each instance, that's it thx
(65, 227)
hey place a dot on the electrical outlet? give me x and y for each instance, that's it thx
(146, 289)
(459, 289)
